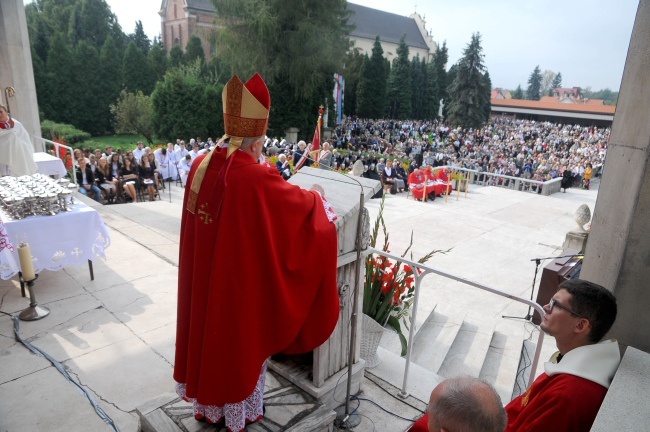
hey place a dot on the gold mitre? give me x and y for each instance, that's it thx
(245, 109)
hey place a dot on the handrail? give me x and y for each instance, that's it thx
(428, 270)
(57, 153)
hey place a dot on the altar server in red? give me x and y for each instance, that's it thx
(257, 268)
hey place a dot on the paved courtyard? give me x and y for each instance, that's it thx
(115, 335)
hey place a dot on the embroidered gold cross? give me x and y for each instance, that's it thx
(204, 216)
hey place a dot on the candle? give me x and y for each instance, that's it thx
(26, 264)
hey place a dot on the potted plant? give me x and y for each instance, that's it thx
(388, 293)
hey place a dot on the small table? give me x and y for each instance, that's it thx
(68, 238)
(49, 165)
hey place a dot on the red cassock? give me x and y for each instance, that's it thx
(556, 403)
(257, 276)
(416, 179)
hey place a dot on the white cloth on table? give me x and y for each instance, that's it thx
(49, 165)
(68, 238)
(17, 151)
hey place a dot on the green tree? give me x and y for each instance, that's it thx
(140, 38)
(440, 64)
(371, 93)
(557, 83)
(417, 88)
(533, 92)
(432, 95)
(59, 59)
(74, 26)
(399, 84)
(135, 70)
(158, 62)
(133, 113)
(185, 105)
(175, 56)
(518, 93)
(351, 71)
(486, 96)
(193, 51)
(87, 109)
(110, 74)
(296, 46)
(469, 90)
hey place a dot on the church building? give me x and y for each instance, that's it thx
(181, 19)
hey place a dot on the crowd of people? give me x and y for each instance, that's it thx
(403, 155)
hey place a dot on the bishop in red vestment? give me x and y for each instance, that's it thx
(245, 290)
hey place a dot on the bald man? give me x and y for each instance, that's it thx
(463, 404)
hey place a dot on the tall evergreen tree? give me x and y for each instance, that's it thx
(441, 58)
(557, 83)
(74, 26)
(88, 108)
(140, 38)
(175, 56)
(399, 84)
(194, 51)
(486, 96)
(59, 59)
(467, 92)
(371, 94)
(97, 22)
(417, 94)
(158, 62)
(352, 73)
(135, 70)
(110, 73)
(432, 95)
(533, 92)
(518, 93)
(299, 64)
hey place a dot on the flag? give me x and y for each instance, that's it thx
(339, 91)
(313, 151)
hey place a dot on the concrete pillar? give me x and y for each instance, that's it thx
(16, 67)
(618, 250)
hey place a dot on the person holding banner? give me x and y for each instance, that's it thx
(257, 268)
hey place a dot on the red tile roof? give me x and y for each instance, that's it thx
(555, 106)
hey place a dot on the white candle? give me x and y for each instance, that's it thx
(26, 264)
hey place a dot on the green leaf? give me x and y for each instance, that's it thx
(394, 323)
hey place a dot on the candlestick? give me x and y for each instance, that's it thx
(26, 264)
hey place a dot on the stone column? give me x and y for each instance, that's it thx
(618, 250)
(16, 67)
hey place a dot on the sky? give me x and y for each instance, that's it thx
(585, 40)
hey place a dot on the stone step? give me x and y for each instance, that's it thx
(391, 369)
(500, 367)
(390, 339)
(436, 336)
(469, 349)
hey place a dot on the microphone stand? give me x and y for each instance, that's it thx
(538, 261)
(345, 420)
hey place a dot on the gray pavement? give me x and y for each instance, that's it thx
(115, 335)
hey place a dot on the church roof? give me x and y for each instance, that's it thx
(205, 5)
(390, 27)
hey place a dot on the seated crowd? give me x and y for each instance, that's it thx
(403, 155)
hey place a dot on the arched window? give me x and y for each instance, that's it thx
(180, 35)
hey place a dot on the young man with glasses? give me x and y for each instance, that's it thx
(568, 395)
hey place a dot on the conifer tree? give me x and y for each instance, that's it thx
(432, 98)
(399, 84)
(158, 62)
(371, 94)
(193, 51)
(110, 73)
(141, 39)
(87, 109)
(135, 70)
(175, 56)
(518, 93)
(533, 92)
(417, 95)
(440, 65)
(468, 92)
(557, 83)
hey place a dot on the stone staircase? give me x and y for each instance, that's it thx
(451, 342)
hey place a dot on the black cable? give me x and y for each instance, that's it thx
(382, 408)
(100, 412)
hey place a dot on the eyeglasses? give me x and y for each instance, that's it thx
(552, 303)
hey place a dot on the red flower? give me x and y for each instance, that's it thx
(408, 269)
(409, 281)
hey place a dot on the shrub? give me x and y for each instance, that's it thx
(66, 132)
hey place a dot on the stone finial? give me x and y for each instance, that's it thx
(582, 216)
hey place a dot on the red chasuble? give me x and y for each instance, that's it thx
(556, 403)
(257, 276)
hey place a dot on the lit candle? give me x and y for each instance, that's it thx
(26, 264)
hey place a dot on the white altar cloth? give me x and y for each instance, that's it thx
(68, 238)
(49, 165)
